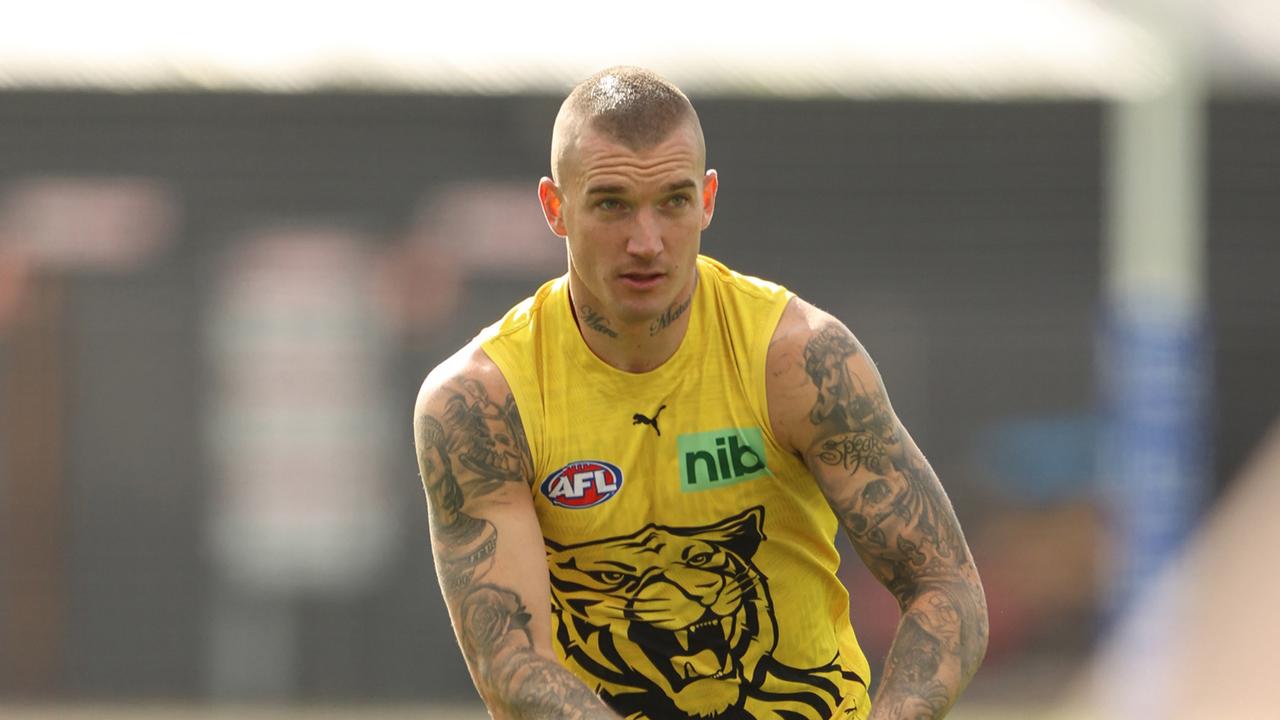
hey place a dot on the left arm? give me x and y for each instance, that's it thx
(827, 402)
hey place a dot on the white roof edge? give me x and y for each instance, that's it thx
(857, 48)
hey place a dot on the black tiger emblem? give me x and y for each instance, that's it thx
(676, 622)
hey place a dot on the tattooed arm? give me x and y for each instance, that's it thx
(827, 402)
(488, 549)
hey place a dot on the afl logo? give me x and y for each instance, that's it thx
(582, 484)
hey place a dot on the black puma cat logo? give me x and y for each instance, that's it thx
(638, 419)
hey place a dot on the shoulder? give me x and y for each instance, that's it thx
(752, 307)
(810, 351)
(803, 330)
(465, 407)
(521, 318)
(742, 284)
(469, 371)
(800, 320)
(480, 361)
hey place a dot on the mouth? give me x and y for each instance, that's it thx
(642, 280)
(699, 651)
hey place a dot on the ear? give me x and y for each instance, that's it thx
(741, 533)
(710, 184)
(549, 198)
(746, 531)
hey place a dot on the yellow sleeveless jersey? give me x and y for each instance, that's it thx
(692, 559)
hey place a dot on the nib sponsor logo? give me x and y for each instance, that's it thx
(721, 457)
(582, 484)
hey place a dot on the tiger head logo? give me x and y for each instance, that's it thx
(674, 620)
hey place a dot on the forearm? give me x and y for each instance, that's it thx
(940, 642)
(517, 682)
(488, 552)
(532, 687)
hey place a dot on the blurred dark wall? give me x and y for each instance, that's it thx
(960, 241)
(1243, 265)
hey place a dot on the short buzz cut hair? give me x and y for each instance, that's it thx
(634, 106)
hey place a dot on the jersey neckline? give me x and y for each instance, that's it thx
(588, 361)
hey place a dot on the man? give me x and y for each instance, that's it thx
(631, 478)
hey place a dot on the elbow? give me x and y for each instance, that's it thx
(975, 630)
(979, 649)
(958, 604)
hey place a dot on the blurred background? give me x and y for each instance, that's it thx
(233, 242)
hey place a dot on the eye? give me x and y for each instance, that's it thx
(701, 558)
(610, 204)
(609, 577)
(876, 491)
(679, 201)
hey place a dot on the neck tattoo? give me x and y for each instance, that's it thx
(597, 322)
(672, 314)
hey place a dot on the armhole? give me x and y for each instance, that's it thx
(528, 405)
(760, 363)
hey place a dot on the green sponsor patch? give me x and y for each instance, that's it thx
(721, 457)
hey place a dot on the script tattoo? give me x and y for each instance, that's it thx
(596, 321)
(669, 316)
(895, 511)
(474, 448)
(852, 452)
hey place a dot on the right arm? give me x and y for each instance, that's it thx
(477, 473)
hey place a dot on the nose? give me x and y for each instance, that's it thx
(645, 240)
(700, 585)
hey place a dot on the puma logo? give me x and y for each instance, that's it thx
(638, 419)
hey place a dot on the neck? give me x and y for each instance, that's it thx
(638, 346)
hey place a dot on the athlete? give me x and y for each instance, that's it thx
(634, 479)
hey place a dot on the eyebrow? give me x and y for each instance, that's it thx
(619, 190)
(606, 189)
(620, 566)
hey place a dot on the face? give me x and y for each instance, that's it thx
(633, 221)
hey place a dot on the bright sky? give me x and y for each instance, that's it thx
(798, 48)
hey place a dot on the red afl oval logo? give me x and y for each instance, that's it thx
(582, 484)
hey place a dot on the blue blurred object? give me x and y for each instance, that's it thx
(1041, 460)
(1157, 449)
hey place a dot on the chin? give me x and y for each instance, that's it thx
(640, 313)
(652, 307)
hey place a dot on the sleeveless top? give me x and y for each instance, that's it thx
(692, 558)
